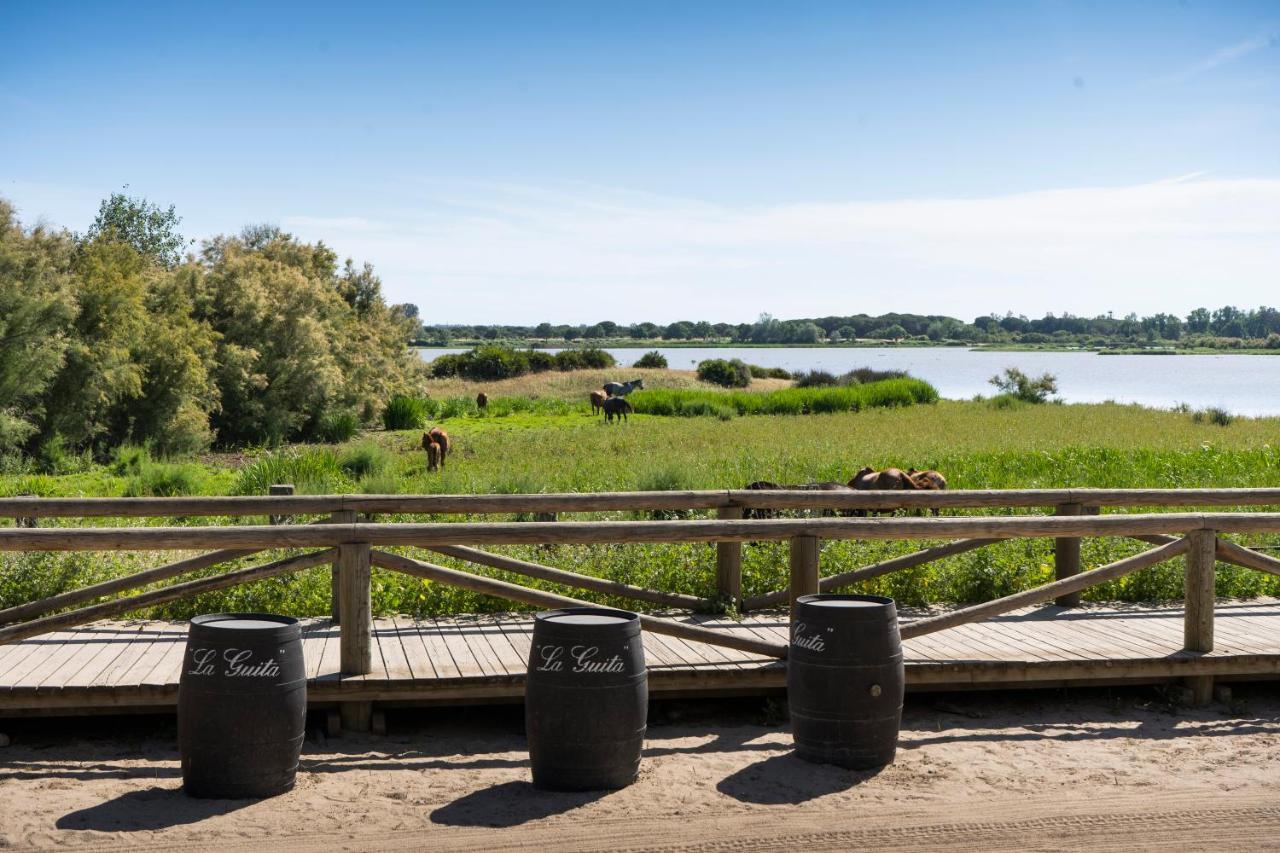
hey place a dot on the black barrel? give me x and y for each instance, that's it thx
(845, 680)
(242, 705)
(586, 699)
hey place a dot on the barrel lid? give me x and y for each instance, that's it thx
(587, 616)
(244, 621)
(833, 600)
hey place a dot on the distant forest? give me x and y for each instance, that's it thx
(1224, 328)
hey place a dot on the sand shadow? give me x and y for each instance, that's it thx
(149, 809)
(788, 780)
(511, 804)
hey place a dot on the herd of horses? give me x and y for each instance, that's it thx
(892, 479)
(612, 399)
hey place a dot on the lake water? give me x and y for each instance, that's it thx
(1241, 384)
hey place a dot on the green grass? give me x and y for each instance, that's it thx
(545, 448)
(888, 393)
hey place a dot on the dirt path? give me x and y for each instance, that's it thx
(1050, 771)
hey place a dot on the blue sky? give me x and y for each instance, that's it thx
(576, 162)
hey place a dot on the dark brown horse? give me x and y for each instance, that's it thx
(761, 512)
(616, 407)
(890, 479)
(482, 401)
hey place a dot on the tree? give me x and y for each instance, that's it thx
(36, 310)
(1018, 384)
(152, 231)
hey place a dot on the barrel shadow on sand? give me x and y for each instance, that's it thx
(149, 809)
(511, 804)
(788, 780)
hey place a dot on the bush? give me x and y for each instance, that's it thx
(405, 413)
(489, 363)
(729, 374)
(337, 427)
(162, 480)
(652, 359)
(1214, 415)
(815, 379)
(1018, 384)
(758, 372)
(364, 459)
(312, 472)
(863, 375)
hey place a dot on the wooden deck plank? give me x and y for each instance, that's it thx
(467, 657)
(109, 665)
(386, 637)
(415, 653)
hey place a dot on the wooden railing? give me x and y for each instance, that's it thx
(353, 546)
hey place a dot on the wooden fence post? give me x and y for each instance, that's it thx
(279, 489)
(356, 634)
(342, 516)
(729, 564)
(1197, 631)
(804, 568)
(1066, 553)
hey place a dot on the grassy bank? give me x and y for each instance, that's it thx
(977, 447)
(889, 393)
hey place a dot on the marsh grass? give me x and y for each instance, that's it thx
(789, 401)
(526, 452)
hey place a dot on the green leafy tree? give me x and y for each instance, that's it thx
(36, 310)
(1018, 384)
(148, 228)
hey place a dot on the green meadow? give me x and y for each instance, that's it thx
(555, 445)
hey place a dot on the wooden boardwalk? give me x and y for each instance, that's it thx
(110, 666)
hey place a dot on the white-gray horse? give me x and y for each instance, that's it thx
(622, 389)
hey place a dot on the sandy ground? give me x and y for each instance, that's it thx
(1051, 770)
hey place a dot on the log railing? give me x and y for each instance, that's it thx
(354, 546)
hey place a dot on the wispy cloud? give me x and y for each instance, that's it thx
(1220, 57)
(517, 254)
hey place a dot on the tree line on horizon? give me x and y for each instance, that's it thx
(121, 336)
(1225, 328)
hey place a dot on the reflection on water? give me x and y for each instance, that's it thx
(1242, 384)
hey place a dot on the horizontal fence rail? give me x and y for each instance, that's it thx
(30, 507)
(590, 532)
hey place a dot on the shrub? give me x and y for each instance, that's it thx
(758, 372)
(814, 379)
(1214, 415)
(1018, 384)
(314, 471)
(788, 401)
(489, 363)
(364, 459)
(540, 362)
(405, 413)
(729, 374)
(863, 375)
(337, 427)
(653, 359)
(162, 480)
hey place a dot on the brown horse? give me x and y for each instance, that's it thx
(929, 480)
(440, 437)
(436, 443)
(435, 459)
(597, 401)
(890, 479)
(482, 401)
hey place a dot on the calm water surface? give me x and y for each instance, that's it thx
(1242, 384)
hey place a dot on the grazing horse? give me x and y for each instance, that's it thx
(434, 456)
(597, 401)
(436, 443)
(616, 407)
(891, 479)
(622, 389)
(929, 480)
(482, 401)
(761, 512)
(827, 487)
